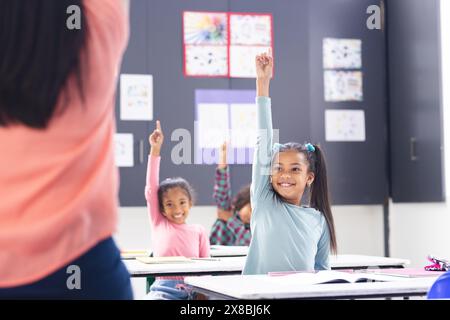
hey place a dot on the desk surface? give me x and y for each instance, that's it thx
(228, 251)
(266, 287)
(353, 261)
(226, 265)
(234, 265)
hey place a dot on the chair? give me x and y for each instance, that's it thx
(440, 288)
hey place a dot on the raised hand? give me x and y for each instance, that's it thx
(156, 139)
(264, 72)
(223, 155)
(264, 65)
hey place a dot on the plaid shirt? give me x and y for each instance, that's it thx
(234, 231)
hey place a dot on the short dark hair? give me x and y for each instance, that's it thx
(242, 198)
(171, 183)
(38, 53)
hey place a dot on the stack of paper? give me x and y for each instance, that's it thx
(133, 254)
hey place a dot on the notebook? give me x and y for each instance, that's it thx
(155, 260)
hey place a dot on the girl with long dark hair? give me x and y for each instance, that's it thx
(286, 236)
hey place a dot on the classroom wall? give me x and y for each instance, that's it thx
(421, 229)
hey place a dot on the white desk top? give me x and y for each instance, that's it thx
(227, 265)
(224, 265)
(228, 251)
(353, 261)
(266, 287)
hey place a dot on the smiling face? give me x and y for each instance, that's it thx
(176, 205)
(290, 175)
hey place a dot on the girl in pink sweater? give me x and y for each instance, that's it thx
(169, 203)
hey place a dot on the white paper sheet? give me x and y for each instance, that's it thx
(124, 154)
(343, 86)
(136, 97)
(243, 125)
(242, 60)
(212, 124)
(206, 60)
(342, 53)
(250, 29)
(345, 125)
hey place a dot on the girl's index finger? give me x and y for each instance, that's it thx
(158, 125)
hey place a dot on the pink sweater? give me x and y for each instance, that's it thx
(170, 239)
(58, 187)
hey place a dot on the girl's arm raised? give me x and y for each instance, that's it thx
(152, 180)
(263, 150)
(222, 185)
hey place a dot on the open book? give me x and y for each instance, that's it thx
(174, 259)
(326, 276)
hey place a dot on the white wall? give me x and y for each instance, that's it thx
(421, 229)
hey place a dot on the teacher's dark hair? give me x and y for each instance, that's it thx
(38, 52)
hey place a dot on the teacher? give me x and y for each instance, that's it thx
(59, 63)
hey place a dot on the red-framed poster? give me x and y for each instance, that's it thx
(224, 44)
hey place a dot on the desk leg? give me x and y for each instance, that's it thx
(149, 281)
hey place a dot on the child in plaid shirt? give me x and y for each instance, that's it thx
(232, 226)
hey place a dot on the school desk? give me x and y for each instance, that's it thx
(234, 265)
(266, 287)
(230, 265)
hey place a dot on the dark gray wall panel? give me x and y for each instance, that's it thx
(358, 171)
(132, 180)
(415, 100)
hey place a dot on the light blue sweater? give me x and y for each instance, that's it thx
(285, 237)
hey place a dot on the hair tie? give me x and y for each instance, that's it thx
(277, 147)
(310, 147)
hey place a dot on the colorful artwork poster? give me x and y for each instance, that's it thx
(342, 53)
(136, 97)
(205, 37)
(343, 86)
(345, 125)
(224, 116)
(205, 28)
(223, 44)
